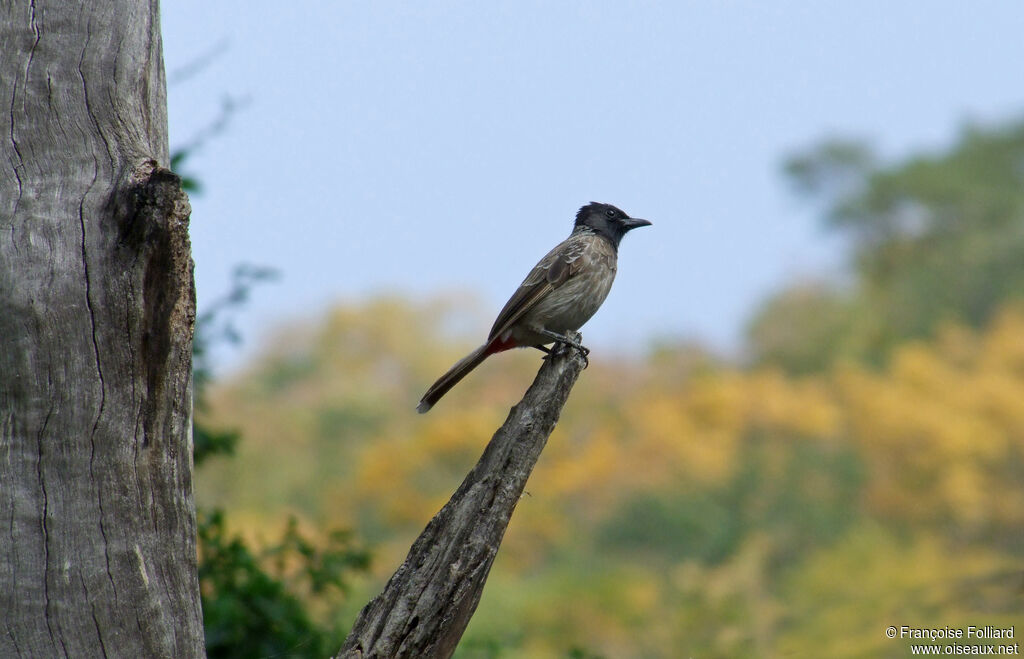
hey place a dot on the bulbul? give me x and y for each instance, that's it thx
(560, 294)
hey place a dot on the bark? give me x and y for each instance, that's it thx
(97, 523)
(428, 602)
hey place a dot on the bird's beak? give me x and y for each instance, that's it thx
(633, 223)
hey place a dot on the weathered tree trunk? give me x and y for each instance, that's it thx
(428, 602)
(97, 551)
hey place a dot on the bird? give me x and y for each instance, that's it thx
(559, 295)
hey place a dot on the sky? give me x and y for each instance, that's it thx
(424, 148)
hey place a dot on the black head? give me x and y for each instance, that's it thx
(608, 221)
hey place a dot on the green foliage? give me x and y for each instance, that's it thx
(322, 569)
(285, 373)
(208, 442)
(797, 492)
(189, 183)
(349, 419)
(252, 612)
(484, 648)
(935, 238)
(699, 526)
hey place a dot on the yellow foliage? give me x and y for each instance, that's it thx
(842, 600)
(946, 428)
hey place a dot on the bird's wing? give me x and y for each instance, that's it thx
(554, 269)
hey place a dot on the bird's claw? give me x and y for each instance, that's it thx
(562, 347)
(562, 343)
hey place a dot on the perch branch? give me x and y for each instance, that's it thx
(427, 603)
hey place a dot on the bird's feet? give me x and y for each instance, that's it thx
(567, 342)
(584, 352)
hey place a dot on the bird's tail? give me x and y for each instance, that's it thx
(457, 372)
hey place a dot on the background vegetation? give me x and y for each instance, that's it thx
(862, 467)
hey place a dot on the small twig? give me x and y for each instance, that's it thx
(197, 64)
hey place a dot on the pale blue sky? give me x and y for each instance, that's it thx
(421, 148)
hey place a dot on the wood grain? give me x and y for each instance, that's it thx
(97, 305)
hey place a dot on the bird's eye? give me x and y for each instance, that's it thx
(610, 212)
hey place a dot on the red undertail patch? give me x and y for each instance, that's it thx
(497, 345)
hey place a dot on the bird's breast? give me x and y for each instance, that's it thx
(573, 303)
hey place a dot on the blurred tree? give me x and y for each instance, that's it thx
(797, 492)
(674, 504)
(934, 238)
(805, 327)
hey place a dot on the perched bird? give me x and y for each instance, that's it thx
(560, 294)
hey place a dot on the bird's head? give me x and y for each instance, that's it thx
(608, 221)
